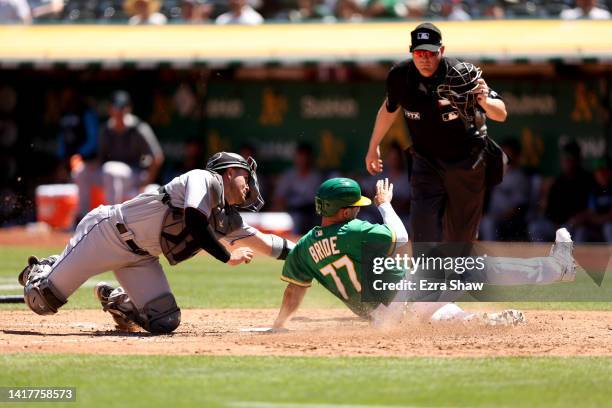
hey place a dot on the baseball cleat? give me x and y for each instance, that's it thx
(102, 292)
(505, 318)
(114, 301)
(562, 252)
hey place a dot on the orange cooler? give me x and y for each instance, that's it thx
(57, 204)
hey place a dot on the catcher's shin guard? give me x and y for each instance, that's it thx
(41, 296)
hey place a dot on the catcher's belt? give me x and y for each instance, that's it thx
(126, 234)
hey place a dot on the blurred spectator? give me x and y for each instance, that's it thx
(454, 10)
(144, 12)
(275, 9)
(15, 12)
(240, 12)
(416, 8)
(78, 133)
(384, 9)
(296, 189)
(348, 10)
(89, 10)
(493, 9)
(129, 154)
(506, 218)
(22, 11)
(595, 223)
(78, 127)
(585, 9)
(196, 11)
(568, 195)
(46, 8)
(307, 10)
(129, 151)
(244, 11)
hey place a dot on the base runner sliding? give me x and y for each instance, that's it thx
(332, 255)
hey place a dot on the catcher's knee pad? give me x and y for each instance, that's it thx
(160, 315)
(41, 296)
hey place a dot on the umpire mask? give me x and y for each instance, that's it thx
(459, 86)
(224, 160)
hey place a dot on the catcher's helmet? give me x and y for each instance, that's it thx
(224, 160)
(338, 193)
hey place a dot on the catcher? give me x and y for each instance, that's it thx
(332, 254)
(192, 212)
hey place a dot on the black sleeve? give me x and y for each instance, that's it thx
(396, 82)
(200, 229)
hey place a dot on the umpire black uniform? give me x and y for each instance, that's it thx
(447, 179)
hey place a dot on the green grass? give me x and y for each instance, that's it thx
(187, 381)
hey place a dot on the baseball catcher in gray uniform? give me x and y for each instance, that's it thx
(192, 212)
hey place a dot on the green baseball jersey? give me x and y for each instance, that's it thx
(332, 255)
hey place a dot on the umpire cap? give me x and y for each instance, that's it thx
(338, 193)
(426, 36)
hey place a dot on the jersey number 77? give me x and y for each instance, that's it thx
(333, 267)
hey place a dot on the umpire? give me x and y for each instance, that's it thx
(447, 179)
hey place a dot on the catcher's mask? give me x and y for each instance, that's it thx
(459, 88)
(224, 160)
(338, 193)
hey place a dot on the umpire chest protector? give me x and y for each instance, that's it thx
(177, 243)
(435, 127)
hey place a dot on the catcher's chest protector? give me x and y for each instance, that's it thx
(178, 244)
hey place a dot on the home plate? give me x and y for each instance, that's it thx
(263, 330)
(256, 330)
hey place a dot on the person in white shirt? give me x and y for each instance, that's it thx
(240, 13)
(586, 9)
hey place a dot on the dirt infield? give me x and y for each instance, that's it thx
(39, 235)
(313, 332)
